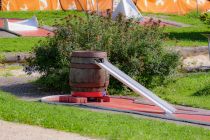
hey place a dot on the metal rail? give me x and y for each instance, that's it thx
(135, 86)
(208, 36)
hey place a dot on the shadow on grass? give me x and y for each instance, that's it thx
(203, 92)
(26, 90)
(193, 36)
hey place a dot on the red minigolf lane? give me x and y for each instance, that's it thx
(128, 104)
(36, 33)
(192, 115)
(202, 118)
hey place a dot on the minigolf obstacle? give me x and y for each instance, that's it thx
(23, 25)
(89, 79)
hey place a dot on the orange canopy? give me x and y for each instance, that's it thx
(172, 6)
(31, 5)
(154, 6)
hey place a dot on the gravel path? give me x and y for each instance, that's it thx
(14, 131)
(22, 87)
(20, 84)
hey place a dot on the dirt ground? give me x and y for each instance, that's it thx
(14, 131)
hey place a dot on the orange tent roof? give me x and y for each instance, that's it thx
(172, 6)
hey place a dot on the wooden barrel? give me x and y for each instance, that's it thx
(85, 75)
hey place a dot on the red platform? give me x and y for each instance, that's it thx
(87, 94)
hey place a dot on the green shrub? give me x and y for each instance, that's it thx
(2, 58)
(205, 17)
(135, 49)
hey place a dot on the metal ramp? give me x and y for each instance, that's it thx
(135, 86)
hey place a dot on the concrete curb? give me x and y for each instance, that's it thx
(10, 57)
(190, 51)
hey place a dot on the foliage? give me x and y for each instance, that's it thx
(2, 58)
(191, 35)
(193, 14)
(135, 49)
(104, 125)
(205, 17)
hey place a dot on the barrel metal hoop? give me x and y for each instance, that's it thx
(89, 85)
(84, 66)
(90, 54)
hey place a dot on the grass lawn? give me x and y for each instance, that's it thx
(20, 44)
(44, 17)
(94, 124)
(188, 89)
(185, 36)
